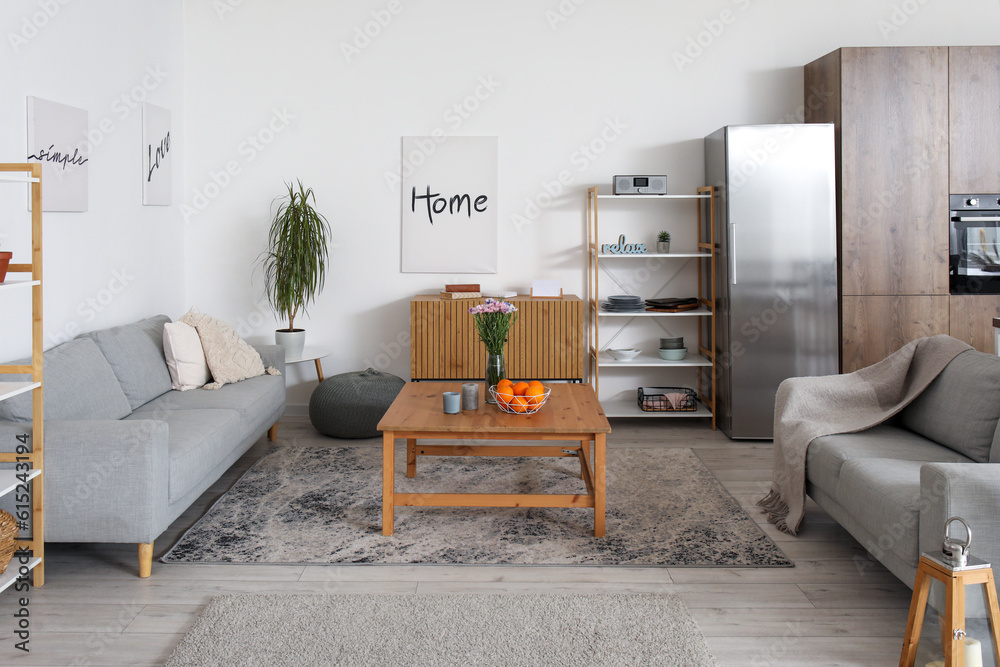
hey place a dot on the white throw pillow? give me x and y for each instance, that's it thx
(230, 358)
(185, 356)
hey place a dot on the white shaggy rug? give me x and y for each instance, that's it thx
(444, 630)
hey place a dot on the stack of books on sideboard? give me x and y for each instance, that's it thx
(463, 291)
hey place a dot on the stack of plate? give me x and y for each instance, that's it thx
(624, 303)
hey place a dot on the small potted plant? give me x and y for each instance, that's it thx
(294, 263)
(663, 242)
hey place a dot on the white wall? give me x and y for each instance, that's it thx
(559, 85)
(119, 261)
(276, 72)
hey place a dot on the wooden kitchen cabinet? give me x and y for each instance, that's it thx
(876, 326)
(974, 111)
(971, 317)
(891, 110)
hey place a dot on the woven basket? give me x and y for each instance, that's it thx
(8, 539)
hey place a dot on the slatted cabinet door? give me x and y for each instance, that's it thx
(546, 342)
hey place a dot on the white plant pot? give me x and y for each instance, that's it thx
(294, 341)
(663, 246)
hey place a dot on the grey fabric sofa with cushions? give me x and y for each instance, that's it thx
(894, 486)
(124, 454)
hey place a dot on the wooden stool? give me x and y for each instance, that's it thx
(953, 623)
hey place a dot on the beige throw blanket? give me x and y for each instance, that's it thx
(807, 408)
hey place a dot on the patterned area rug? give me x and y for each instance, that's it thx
(322, 505)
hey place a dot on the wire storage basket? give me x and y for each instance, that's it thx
(667, 399)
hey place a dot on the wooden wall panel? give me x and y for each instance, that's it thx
(546, 342)
(972, 319)
(877, 326)
(974, 110)
(894, 162)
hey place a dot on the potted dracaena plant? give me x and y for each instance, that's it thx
(663, 242)
(294, 263)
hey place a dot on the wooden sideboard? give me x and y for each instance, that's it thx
(546, 342)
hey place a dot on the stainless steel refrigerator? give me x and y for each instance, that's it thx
(776, 270)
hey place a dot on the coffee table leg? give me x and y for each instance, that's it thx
(411, 457)
(599, 455)
(388, 480)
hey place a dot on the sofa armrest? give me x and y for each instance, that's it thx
(272, 355)
(968, 490)
(105, 481)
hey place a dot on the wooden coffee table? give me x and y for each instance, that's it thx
(572, 413)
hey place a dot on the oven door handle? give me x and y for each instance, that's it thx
(990, 218)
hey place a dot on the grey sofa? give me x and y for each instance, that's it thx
(894, 486)
(124, 454)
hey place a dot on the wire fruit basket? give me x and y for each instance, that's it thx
(532, 404)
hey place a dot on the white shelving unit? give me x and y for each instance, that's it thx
(701, 363)
(14, 284)
(19, 453)
(649, 361)
(12, 389)
(10, 575)
(9, 479)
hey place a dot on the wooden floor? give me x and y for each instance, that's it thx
(94, 610)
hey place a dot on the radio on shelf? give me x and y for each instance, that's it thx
(640, 185)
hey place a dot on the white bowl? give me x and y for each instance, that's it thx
(624, 353)
(673, 354)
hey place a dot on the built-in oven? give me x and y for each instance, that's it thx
(974, 262)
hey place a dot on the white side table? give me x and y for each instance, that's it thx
(313, 354)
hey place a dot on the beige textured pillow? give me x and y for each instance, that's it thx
(230, 358)
(185, 356)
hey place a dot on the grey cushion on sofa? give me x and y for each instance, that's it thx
(135, 352)
(79, 384)
(883, 496)
(198, 440)
(874, 476)
(827, 455)
(961, 407)
(251, 398)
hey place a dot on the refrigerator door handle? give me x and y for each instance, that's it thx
(732, 253)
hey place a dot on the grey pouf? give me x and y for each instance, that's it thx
(350, 405)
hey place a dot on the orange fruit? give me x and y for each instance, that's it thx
(534, 396)
(518, 404)
(504, 383)
(520, 388)
(536, 383)
(504, 394)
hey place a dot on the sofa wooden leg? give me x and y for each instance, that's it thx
(145, 559)
(272, 433)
